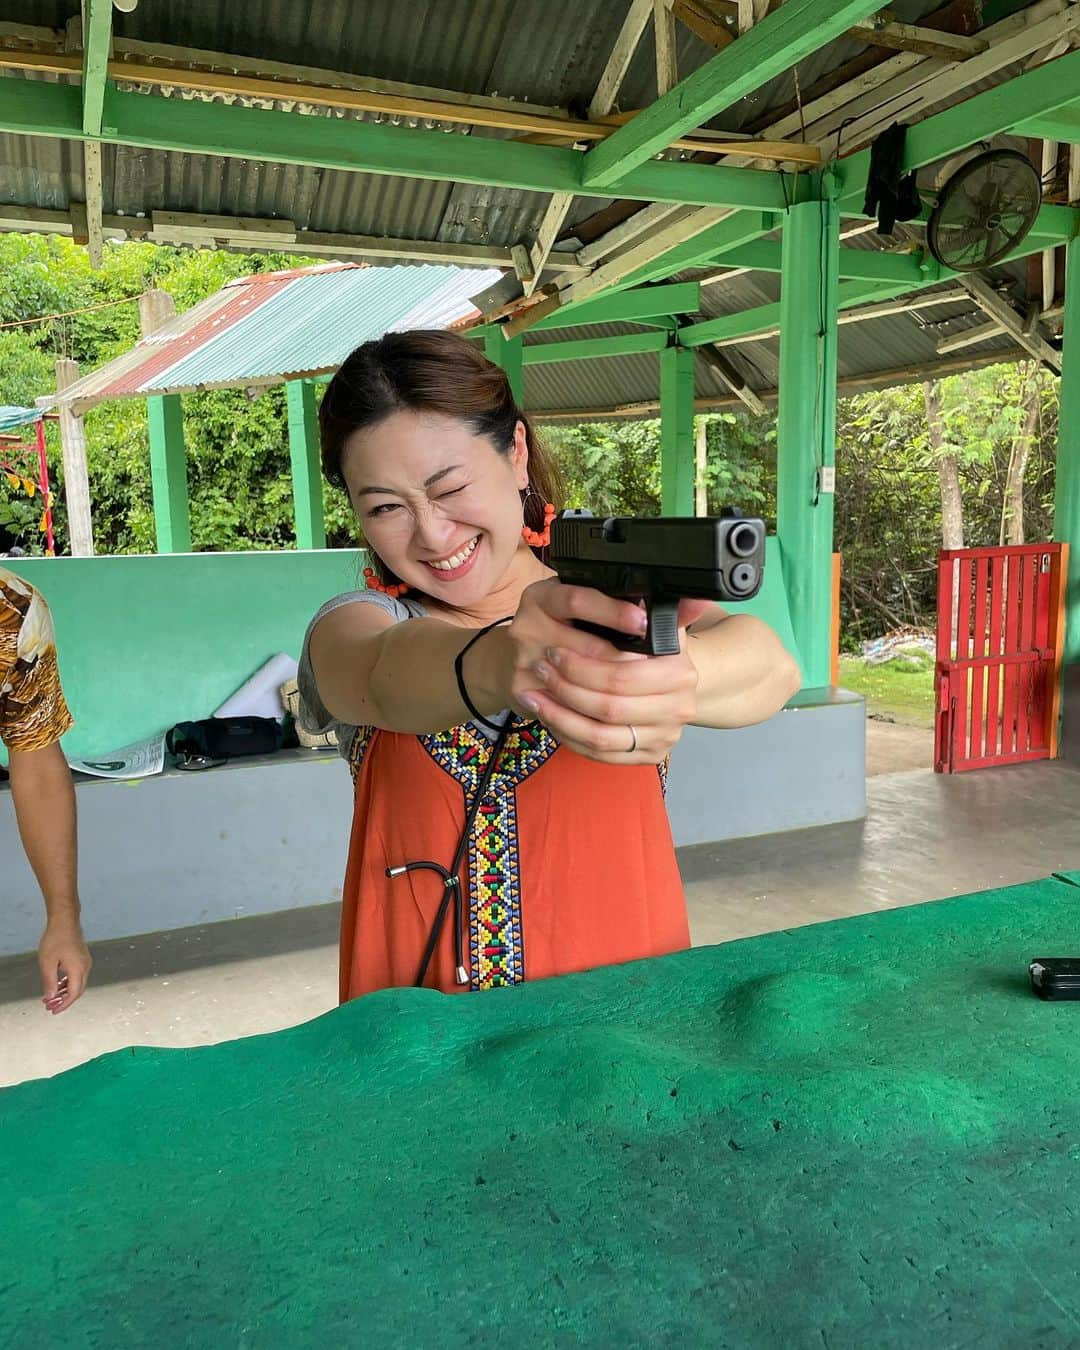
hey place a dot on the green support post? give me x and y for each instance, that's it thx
(806, 428)
(508, 355)
(168, 473)
(677, 463)
(304, 459)
(1067, 483)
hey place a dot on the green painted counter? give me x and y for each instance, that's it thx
(857, 1134)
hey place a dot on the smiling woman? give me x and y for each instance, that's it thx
(508, 766)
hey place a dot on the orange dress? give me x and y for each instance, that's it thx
(570, 863)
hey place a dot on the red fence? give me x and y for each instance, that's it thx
(1000, 619)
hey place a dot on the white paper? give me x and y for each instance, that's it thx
(134, 761)
(261, 695)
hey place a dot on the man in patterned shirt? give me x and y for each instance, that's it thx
(33, 717)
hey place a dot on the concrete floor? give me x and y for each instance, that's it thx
(925, 836)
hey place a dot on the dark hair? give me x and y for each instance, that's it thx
(428, 370)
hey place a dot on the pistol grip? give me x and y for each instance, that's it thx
(661, 637)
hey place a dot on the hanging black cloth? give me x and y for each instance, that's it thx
(890, 194)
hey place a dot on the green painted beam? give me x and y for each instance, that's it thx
(97, 37)
(750, 321)
(858, 264)
(773, 46)
(190, 126)
(653, 302)
(747, 322)
(806, 429)
(1062, 125)
(1000, 109)
(1067, 478)
(1057, 223)
(628, 344)
(304, 459)
(677, 463)
(508, 354)
(168, 473)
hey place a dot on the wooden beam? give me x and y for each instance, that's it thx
(76, 480)
(667, 70)
(94, 201)
(252, 234)
(603, 100)
(618, 63)
(723, 368)
(776, 44)
(906, 37)
(751, 12)
(969, 337)
(1012, 322)
(704, 22)
(97, 34)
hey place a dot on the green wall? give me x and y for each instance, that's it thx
(145, 642)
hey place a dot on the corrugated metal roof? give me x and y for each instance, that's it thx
(533, 51)
(266, 328)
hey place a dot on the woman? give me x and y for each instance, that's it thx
(509, 820)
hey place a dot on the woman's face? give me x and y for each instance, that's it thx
(438, 504)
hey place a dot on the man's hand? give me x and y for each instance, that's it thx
(65, 963)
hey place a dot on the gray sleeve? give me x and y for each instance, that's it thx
(314, 716)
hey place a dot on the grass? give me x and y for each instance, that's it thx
(901, 690)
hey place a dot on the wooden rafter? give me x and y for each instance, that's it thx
(906, 37)
(722, 367)
(667, 70)
(602, 102)
(996, 307)
(94, 201)
(704, 20)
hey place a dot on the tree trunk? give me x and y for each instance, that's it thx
(952, 506)
(1012, 504)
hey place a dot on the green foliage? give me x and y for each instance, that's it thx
(888, 500)
(238, 454)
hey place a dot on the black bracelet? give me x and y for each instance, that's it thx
(479, 716)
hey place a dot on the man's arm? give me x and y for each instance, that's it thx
(44, 800)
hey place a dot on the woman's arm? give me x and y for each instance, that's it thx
(371, 670)
(745, 673)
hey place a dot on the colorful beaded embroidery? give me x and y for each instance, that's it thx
(495, 941)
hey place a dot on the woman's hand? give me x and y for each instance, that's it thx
(613, 706)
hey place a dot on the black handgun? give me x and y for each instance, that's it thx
(660, 560)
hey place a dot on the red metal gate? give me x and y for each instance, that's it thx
(1000, 616)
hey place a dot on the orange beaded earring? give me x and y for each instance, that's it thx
(372, 582)
(539, 538)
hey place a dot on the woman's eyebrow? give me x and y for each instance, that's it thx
(389, 492)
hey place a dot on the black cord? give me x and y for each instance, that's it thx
(452, 875)
(477, 714)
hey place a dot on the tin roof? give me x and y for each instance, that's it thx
(275, 326)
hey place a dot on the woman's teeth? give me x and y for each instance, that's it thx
(451, 564)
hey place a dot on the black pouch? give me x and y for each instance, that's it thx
(214, 740)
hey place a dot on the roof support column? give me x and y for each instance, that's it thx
(304, 458)
(806, 427)
(168, 473)
(507, 353)
(1067, 499)
(168, 454)
(678, 463)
